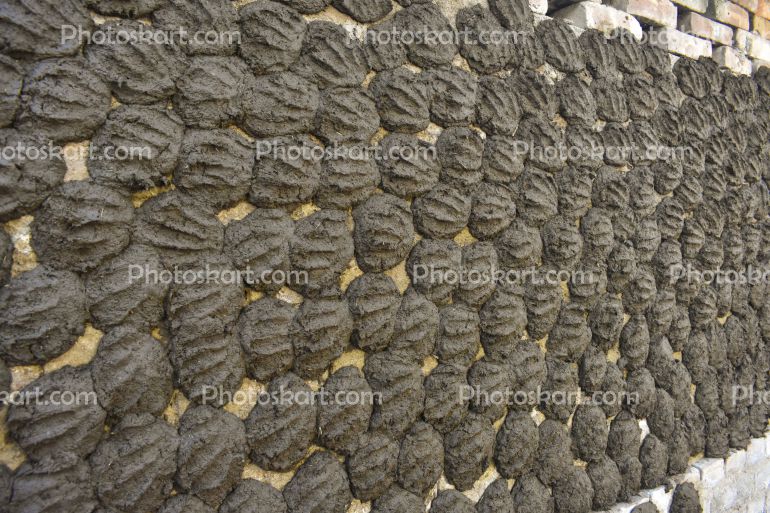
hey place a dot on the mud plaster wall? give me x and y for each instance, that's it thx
(82, 352)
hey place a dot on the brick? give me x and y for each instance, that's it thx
(677, 42)
(749, 5)
(621, 507)
(694, 5)
(724, 497)
(627, 507)
(743, 496)
(660, 497)
(756, 451)
(697, 25)
(691, 475)
(737, 62)
(601, 17)
(761, 26)
(762, 476)
(712, 470)
(763, 9)
(755, 46)
(741, 39)
(759, 49)
(736, 460)
(555, 5)
(729, 13)
(654, 12)
(744, 485)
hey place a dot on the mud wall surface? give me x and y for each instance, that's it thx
(312, 256)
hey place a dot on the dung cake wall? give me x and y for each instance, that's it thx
(451, 256)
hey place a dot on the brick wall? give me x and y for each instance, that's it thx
(735, 33)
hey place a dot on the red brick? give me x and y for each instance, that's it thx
(763, 9)
(749, 5)
(675, 41)
(655, 12)
(694, 5)
(729, 13)
(697, 25)
(761, 26)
